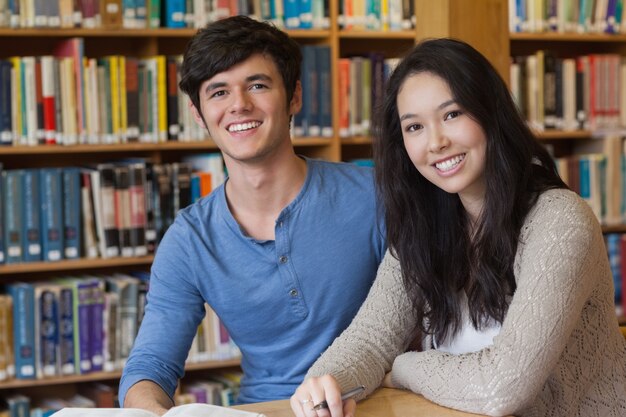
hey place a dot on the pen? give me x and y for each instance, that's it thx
(344, 396)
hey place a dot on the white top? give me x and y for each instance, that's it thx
(468, 338)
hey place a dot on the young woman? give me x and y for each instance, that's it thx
(493, 261)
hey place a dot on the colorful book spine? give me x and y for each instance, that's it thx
(96, 330)
(174, 11)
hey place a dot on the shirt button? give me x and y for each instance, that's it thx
(293, 292)
(283, 259)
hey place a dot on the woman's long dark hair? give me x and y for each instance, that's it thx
(427, 228)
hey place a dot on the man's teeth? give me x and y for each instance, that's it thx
(243, 126)
(450, 163)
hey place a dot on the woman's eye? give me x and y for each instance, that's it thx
(413, 127)
(453, 114)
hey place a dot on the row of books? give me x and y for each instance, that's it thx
(575, 16)
(570, 93)
(376, 14)
(361, 90)
(315, 117)
(141, 14)
(68, 99)
(219, 388)
(79, 325)
(597, 171)
(106, 211)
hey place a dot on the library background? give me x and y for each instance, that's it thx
(98, 153)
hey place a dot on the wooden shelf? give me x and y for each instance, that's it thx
(378, 34)
(73, 265)
(123, 147)
(135, 147)
(133, 33)
(563, 134)
(357, 140)
(103, 376)
(621, 228)
(566, 37)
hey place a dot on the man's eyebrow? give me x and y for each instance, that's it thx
(250, 78)
(439, 107)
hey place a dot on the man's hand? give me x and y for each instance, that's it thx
(148, 396)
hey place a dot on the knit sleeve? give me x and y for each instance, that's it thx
(381, 330)
(560, 249)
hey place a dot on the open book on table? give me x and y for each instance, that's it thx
(187, 410)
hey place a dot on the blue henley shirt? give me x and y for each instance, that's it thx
(282, 301)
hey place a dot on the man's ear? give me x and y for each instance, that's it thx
(296, 101)
(196, 115)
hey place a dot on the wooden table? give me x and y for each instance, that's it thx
(385, 402)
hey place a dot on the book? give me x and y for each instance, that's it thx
(13, 202)
(71, 213)
(137, 196)
(51, 190)
(46, 330)
(7, 367)
(23, 296)
(67, 363)
(187, 410)
(31, 232)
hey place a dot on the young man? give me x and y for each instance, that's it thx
(284, 252)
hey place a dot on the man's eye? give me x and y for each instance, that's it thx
(218, 93)
(257, 86)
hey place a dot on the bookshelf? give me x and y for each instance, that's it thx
(570, 43)
(454, 18)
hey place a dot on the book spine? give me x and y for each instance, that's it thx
(123, 209)
(6, 103)
(71, 213)
(96, 335)
(132, 99)
(173, 130)
(31, 231)
(13, 200)
(175, 13)
(67, 362)
(48, 97)
(47, 342)
(90, 240)
(137, 197)
(82, 324)
(110, 240)
(324, 92)
(24, 329)
(51, 213)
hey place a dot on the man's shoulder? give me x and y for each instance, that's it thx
(340, 169)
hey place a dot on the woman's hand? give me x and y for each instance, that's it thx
(387, 381)
(315, 390)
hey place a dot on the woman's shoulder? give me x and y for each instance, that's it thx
(561, 206)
